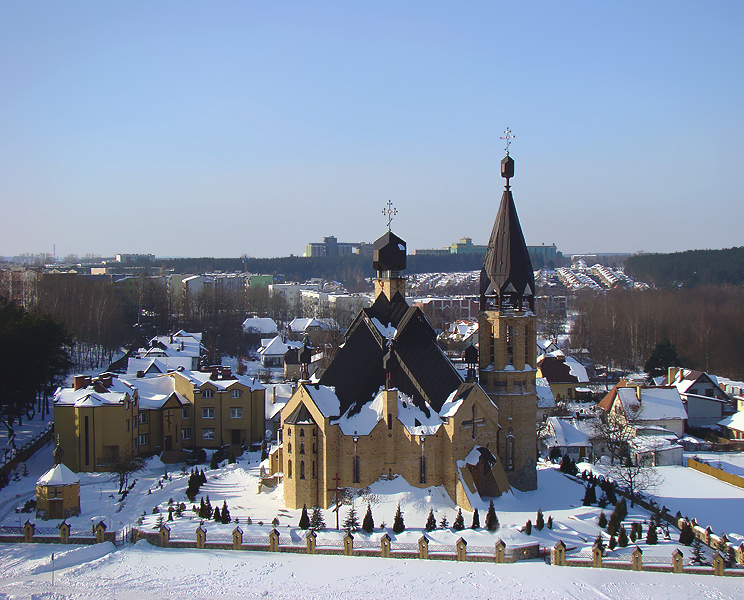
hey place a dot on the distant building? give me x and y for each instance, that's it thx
(330, 246)
(132, 259)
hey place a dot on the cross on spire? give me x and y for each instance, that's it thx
(508, 137)
(390, 212)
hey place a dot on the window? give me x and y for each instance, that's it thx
(185, 412)
(510, 453)
(207, 393)
(236, 393)
(236, 413)
(302, 432)
(143, 439)
(302, 469)
(390, 421)
(126, 426)
(315, 448)
(207, 434)
(186, 433)
(314, 474)
(356, 469)
(289, 446)
(422, 470)
(208, 413)
(289, 469)
(302, 447)
(143, 417)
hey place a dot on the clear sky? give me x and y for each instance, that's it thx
(226, 127)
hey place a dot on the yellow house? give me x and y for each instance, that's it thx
(58, 494)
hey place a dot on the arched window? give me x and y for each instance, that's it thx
(289, 469)
(302, 432)
(289, 431)
(390, 421)
(315, 432)
(356, 469)
(314, 474)
(510, 453)
(289, 446)
(302, 469)
(302, 447)
(315, 448)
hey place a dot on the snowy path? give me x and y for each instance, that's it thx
(146, 572)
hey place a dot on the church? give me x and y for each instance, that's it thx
(392, 404)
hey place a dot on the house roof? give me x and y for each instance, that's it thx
(58, 475)
(276, 346)
(156, 391)
(545, 397)
(735, 421)
(198, 378)
(556, 367)
(262, 325)
(567, 435)
(656, 404)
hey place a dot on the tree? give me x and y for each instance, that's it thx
(304, 518)
(317, 523)
(443, 523)
(663, 357)
(590, 496)
(492, 521)
(431, 522)
(126, 465)
(351, 523)
(225, 513)
(476, 520)
(635, 477)
(459, 522)
(651, 536)
(686, 534)
(540, 521)
(602, 520)
(550, 522)
(398, 524)
(622, 538)
(368, 523)
(217, 516)
(528, 527)
(698, 557)
(613, 542)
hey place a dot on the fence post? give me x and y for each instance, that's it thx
(385, 546)
(677, 564)
(558, 554)
(462, 549)
(28, 532)
(718, 564)
(100, 530)
(274, 541)
(500, 550)
(597, 555)
(201, 537)
(739, 552)
(64, 532)
(348, 544)
(637, 559)
(423, 544)
(311, 540)
(237, 538)
(164, 536)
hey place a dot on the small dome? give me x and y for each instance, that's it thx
(389, 253)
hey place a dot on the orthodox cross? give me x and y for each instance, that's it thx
(168, 418)
(390, 212)
(508, 137)
(473, 422)
(336, 490)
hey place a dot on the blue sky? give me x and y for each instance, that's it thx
(228, 127)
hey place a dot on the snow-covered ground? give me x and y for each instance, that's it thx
(142, 571)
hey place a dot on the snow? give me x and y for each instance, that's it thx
(387, 331)
(657, 404)
(735, 421)
(58, 475)
(566, 435)
(545, 397)
(325, 399)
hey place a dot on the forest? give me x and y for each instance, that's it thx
(693, 268)
(621, 328)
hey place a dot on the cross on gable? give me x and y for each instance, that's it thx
(508, 137)
(473, 423)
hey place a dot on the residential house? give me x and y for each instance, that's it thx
(564, 374)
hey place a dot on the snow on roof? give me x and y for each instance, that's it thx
(95, 394)
(657, 404)
(58, 475)
(387, 331)
(451, 405)
(653, 443)
(735, 421)
(198, 378)
(161, 364)
(260, 325)
(277, 347)
(545, 398)
(577, 369)
(567, 435)
(325, 399)
(277, 396)
(299, 325)
(155, 391)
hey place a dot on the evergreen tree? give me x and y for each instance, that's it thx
(170, 513)
(565, 462)
(203, 477)
(612, 497)
(443, 524)
(202, 509)
(639, 530)
(613, 542)
(687, 534)
(398, 524)
(663, 357)
(216, 515)
(599, 542)
(633, 532)
(368, 523)
(431, 522)
(587, 501)
(225, 513)
(550, 522)
(540, 521)
(602, 502)
(317, 523)
(698, 558)
(492, 521)
(528, 527)
(209, 508)
(476, 520)
(651, 536)
(304, 518)
(351, 523)
(622, 538)
(459, 523)
(602, 520)
(213, 463)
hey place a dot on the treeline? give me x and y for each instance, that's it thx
(693, 268)
(621, 328)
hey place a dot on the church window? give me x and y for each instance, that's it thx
(302, 432)
(509, 345)
(510, 453)
(289, 469)
(315, 432)
(289, 446)
(302, 469)
(289, 431)
(356, 469)
(390, 421)
(314, 474)
(302, 447)
(422, 470)
(315, 448)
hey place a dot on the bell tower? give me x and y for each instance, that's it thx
(507, 336)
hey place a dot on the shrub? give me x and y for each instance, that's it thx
(459, 523)
(431, 522)
(398, 524)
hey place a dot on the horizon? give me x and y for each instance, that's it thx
(184, 129)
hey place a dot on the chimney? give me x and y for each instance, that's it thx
(81, 381)
(140, 374)
(105, 379)
(226, 373)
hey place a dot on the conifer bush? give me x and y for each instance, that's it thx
(476, 520)
(317, 523)
(216, 515)
(459, 523)
(351, 522)
(368, 523)
(492, 521)
(652, 537)
(225, 513)
(613, 542)
(304, 518)
(444, 524)
(622, 538)
(602, 520)
(539, 521)
(550, 522)
(528, 527)
(431, 522)
(398, 524)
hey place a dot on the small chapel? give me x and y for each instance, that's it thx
(392, 404)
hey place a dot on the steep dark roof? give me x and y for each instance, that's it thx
(507, 274)
(418, 367)
(556, 370)
(389, 253)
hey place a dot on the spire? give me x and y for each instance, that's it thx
(507, 280)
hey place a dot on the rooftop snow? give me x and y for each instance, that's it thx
(657, 404)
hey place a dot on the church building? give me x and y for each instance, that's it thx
(392, 404)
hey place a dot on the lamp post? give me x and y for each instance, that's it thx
(111, 497)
